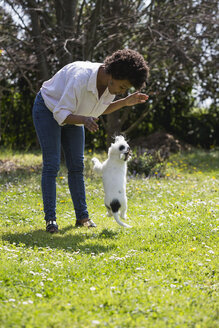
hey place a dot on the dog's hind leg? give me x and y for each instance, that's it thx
(123, 213)
(115, 205)
(123, 210)
(109, 211)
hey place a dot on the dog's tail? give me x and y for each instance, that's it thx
(115, 205)
(123, 224)
(97, 165)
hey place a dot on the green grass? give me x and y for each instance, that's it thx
(161, 273)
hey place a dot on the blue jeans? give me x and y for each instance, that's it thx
(51, 137)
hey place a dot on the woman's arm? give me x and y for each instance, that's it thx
(89, 122)
(131, 100)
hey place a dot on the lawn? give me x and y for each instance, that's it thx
(163, 272)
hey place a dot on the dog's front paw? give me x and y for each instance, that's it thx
(94, 160)
(97, 165)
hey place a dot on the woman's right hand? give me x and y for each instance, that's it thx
(90, 123)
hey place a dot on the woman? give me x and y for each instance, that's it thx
(72, 99)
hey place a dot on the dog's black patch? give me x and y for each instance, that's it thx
(121, 147)
(115, 205)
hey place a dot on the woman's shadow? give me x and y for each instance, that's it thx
(64, 240)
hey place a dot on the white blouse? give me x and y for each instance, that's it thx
(73, 90)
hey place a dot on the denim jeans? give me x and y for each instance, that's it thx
(51, 137)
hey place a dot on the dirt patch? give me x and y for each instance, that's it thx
(159, 141)
(8, 166)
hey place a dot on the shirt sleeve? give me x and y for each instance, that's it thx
(68, 102)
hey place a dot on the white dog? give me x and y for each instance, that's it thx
(113, 172)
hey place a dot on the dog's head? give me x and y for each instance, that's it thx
(120, 149)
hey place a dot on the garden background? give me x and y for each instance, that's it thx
(178, 39)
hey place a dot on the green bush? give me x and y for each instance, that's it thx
(150, 163)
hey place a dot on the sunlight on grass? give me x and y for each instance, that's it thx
(161, 273)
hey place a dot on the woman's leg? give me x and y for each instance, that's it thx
(49, 135)
(73, 145)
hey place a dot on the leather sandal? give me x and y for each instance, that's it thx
(52, 226)
(85, 223)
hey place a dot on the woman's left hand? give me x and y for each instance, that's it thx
(136, 98)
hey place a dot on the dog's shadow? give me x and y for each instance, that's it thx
(68, 242)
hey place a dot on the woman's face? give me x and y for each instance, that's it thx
(118, 87)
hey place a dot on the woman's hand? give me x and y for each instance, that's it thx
(131, 100)
(135, 98)
(90, 123)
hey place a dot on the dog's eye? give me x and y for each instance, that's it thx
(121, 147)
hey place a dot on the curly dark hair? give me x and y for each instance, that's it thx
(128, 65)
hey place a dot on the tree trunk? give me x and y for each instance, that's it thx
(90, 43)
(38, 41)
(65, 21)
(113, 126)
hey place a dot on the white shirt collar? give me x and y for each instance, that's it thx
(92, 83)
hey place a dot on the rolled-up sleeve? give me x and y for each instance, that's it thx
(67, 104)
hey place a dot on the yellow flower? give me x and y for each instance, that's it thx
(61, 178)
(192, 249)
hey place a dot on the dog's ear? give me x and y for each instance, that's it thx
(119, 138)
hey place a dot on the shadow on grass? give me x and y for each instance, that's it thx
(69, 242)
